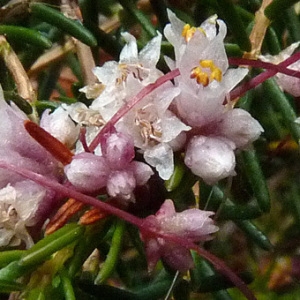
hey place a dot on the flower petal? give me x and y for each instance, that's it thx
(210, 158)
(161, 158)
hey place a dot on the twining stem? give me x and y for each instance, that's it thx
(88, 200)
(254, 82)
(264, 65)
(130, 104)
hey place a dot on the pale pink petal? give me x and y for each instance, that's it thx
(118, 150)
(121, 184)
(59, 125)
(161, 158)
(210, 158)
(238, 126)
(87, 172)
(142, 172)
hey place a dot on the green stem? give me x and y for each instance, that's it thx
(273, 43)
(25, 35)
(292, 22)
(67, 286)
(254, 234)
(7, 257)
(50, 244)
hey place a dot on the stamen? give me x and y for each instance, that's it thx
(203, 77)
(188, 31)
(130, 104)
(136, 70)
(149, 124)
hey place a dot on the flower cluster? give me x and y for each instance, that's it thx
(205, 80)
(190, 116)
(193, 224)
(114, 169)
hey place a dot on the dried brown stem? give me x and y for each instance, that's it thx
(54, 55)
(258, 32)
(13, 64)
(84, 53)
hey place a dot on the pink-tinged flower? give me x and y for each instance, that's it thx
(193, 224)
(204, 83)
(59, 125)
(19, 148)
(288, 83)
(87, 172)
(20, 200)
(114, 169)
(125, 78)
(154, 128)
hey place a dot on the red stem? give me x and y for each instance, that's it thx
(254, 82)
(130, 104)
(88, 200)
(264, 65)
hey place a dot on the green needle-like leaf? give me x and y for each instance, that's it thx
(56, 18)
(25, 35)
(52, 243)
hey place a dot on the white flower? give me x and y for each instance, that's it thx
(153, 127)
(288, 83)
(204, 83)
(137, 68)
(59, 125)
(205, 79)
(83, 115)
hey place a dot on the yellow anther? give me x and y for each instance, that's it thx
(201, 77)
(216, 74)
(205, 77)
(188, 31)
(207, 63)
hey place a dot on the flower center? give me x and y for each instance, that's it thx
(89, 117)
(206, 72)
(149, 124)
(137, 71)
(188, 31)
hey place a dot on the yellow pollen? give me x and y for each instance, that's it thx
(188, 31)
(203, 77)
